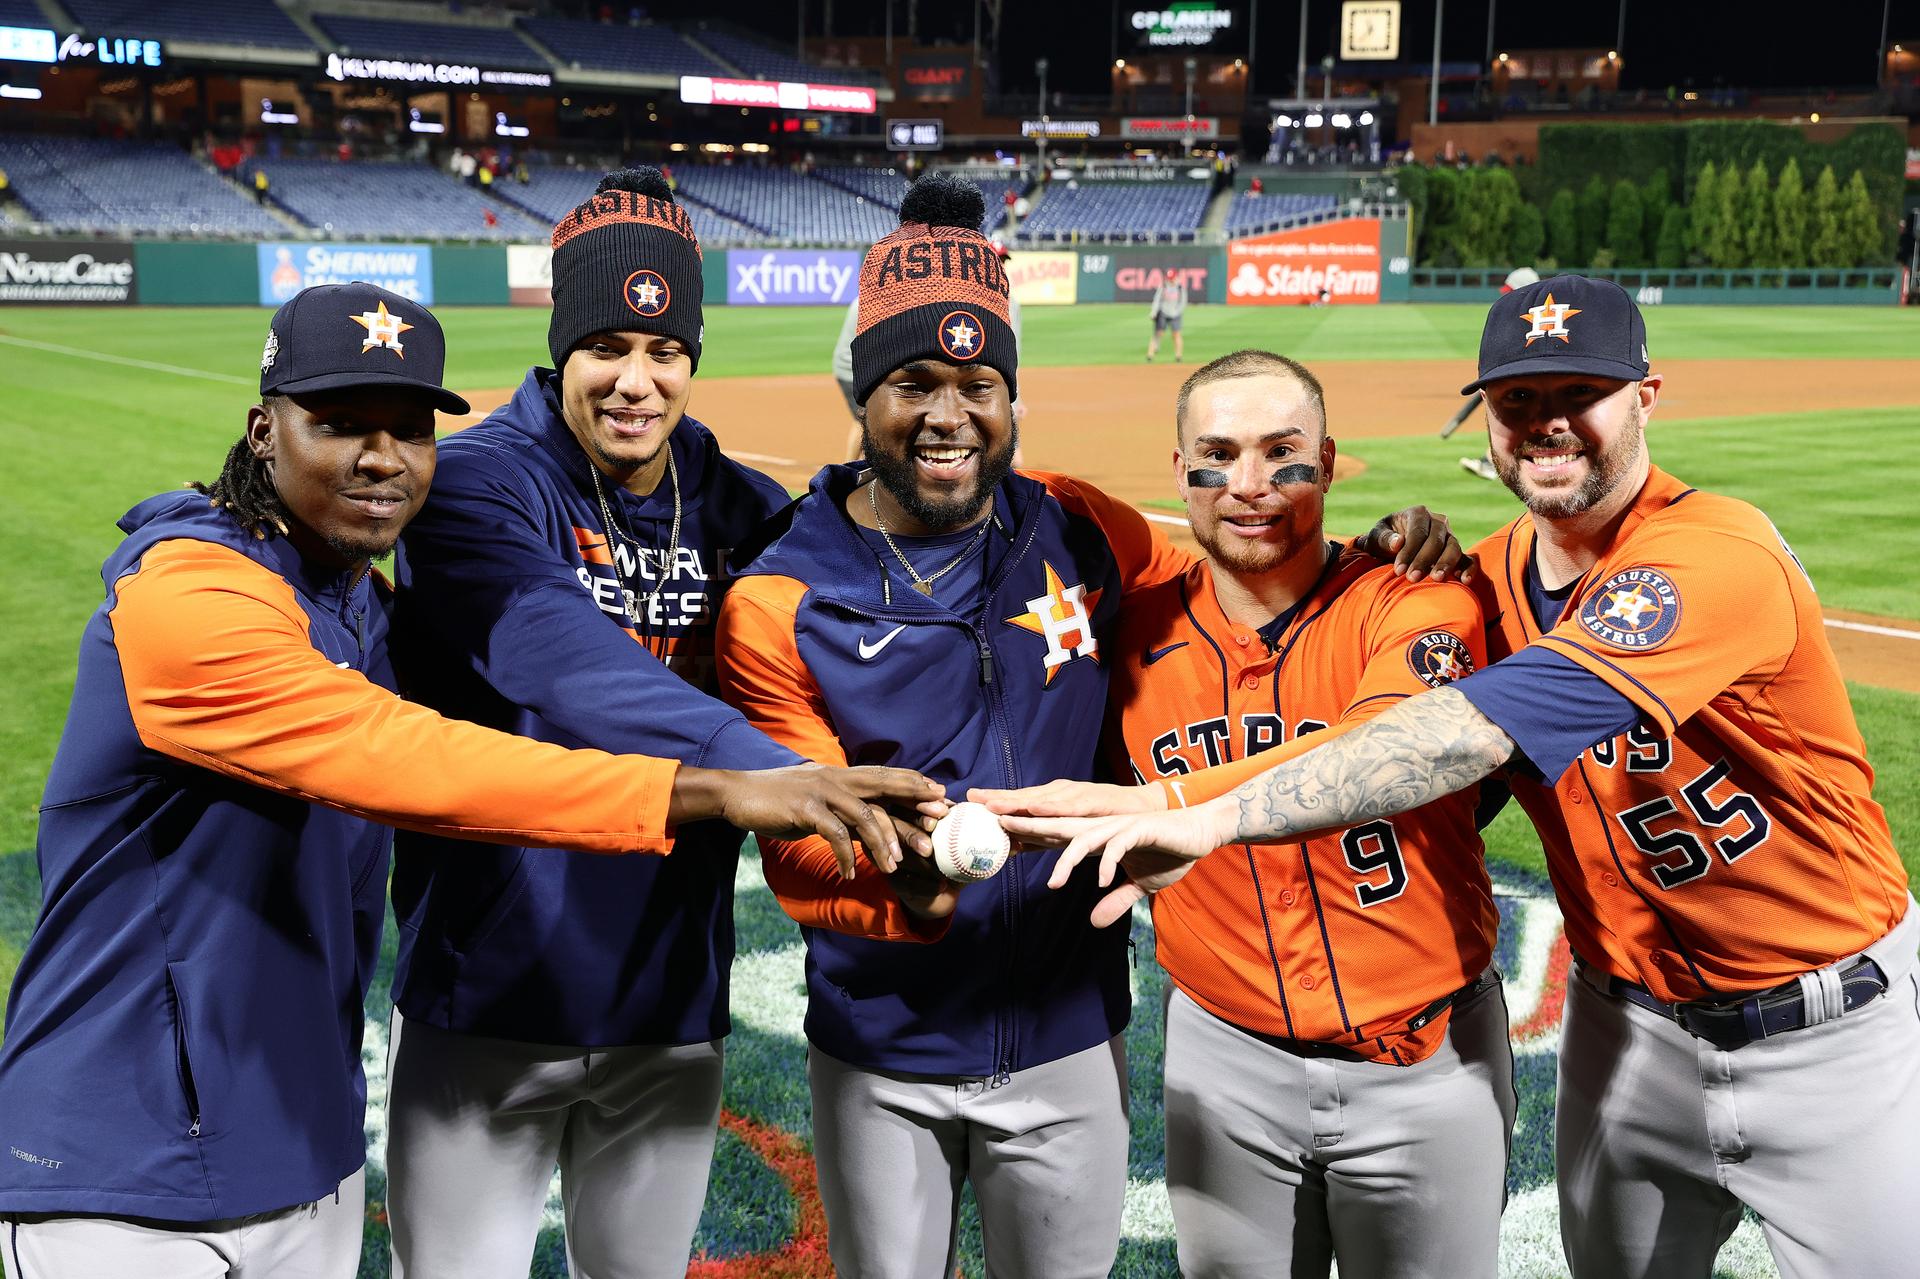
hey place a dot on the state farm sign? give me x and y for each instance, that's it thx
(784, 95)
(1339, 259)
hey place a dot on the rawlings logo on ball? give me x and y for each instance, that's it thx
(968, 844)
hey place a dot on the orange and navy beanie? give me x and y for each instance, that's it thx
(933, 290)
(626, 261)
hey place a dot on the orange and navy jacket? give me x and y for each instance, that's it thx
(1355, 938)
(183, 1035)
(1729, 842)
(828, 656)
(510, 614)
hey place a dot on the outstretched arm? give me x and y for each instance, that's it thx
(1426, 747)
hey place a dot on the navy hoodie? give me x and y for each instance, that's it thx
(510, 615)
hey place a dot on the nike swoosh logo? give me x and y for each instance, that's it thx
(1155, 654)
(870, 651)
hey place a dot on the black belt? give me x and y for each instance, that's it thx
(1761, 1015)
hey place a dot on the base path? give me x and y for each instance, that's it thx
(1113, 426)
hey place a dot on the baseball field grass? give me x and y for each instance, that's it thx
(101, 408)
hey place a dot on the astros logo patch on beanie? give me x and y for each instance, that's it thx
(933, 290)
(626, 261)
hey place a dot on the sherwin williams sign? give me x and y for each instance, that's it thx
(285, 269)
(792, 277)
(1338, 260)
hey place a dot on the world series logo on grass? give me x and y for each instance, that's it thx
(1634, 609)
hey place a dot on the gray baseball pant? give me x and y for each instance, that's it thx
(1046, 1152)
(475, 1127)
(1661, 1137)
(318, 1240)
(1279, 1160)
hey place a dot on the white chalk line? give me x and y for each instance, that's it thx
(129, 361)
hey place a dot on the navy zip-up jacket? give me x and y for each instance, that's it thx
(510, 615)
(823, 644)
(183, 1034)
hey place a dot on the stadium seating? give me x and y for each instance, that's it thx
(1153, 212)
(79, 184)
(995, 190)
(246, 22)
(430, 41)
(646, 49)
(758, 61)
(21, 13)
(390, 201)
(786, 205)
(553, 190)
(1250, 212)
(882, 186)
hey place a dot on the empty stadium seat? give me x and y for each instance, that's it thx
(244, 22)
(552, 192)
(390, 201)
(787, 205)
(1250, 212)
(81, 184)
(758, 61)
(430, 41)
(1146, 211)
(645, 49)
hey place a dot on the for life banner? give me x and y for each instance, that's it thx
(99, 272)
(792, 277)
(530, 274)
(1044, 279)
(285, 269)
(1340, 260)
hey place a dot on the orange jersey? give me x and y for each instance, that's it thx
(1730, 842)
(1350, 937)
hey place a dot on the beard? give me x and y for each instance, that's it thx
(1606, 471)
(1239, 555)
(895, 472)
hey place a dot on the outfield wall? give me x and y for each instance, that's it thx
(1344, 262)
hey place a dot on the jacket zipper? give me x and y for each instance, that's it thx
(1005, 1023)
(359, 614)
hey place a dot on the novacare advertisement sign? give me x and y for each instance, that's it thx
(1336, 260)
(792, 277)
(285, 269)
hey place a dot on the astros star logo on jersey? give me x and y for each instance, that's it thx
(1633, 609)
(1549, 320)
(383, 329)
(960, 335)
(646, 293)
(1064, 618)
(1439, 657)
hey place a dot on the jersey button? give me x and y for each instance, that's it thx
(1241, 640)
(1306, 982)
(1249, 680)
(1286, 897)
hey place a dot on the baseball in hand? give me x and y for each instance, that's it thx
(968, 843)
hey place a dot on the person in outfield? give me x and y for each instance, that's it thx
(940, 608)
(180, 1086)
(1743, 1018)
(561, 584)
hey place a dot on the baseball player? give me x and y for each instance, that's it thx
(562, 583)
(1338, 1078)
(1743, 1020)
(180, 1085)
(1168, 308)
(993, 1053)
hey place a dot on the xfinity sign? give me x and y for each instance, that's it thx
(789, 278)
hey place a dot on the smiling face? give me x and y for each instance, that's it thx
(940, 437)
(622, 394)
(351, 466)
(1253, 466)
(1570, 443)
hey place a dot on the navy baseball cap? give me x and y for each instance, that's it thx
(331, 336)
(1569, 324)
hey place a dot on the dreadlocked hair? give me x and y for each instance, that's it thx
(245, 490)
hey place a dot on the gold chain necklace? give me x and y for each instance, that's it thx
(922, 584)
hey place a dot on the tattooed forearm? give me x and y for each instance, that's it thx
(1426, 747)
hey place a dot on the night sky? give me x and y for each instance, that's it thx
(1735, 42)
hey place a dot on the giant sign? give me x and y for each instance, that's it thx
(789, 277)
(1137, 275)
(42, 271)
(784, 95)
(936, 77)
(1335, 261)
(1044, 279)
(285, 269)
(409, 71)
(1183, 26)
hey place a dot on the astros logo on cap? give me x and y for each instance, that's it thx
(1549, 320)
(383, 329)
(1634, 609)
(961, 335)
(646, 292)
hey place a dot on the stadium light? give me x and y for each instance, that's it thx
(1119, 64)
(1284, 121)
(16, 91)
(1613, 55)
(1315, 120)
(1366, 117)
(1342, 121)
(1816, 117)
